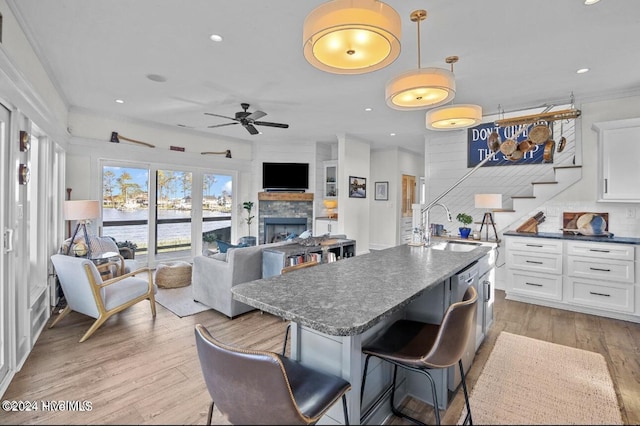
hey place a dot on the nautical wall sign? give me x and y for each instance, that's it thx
(478, 147)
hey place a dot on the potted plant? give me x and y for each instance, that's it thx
(465, 220)
(249, 240)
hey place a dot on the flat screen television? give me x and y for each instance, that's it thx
(285, 176)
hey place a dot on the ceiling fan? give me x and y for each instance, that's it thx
(248, 120)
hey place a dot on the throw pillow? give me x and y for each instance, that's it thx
(223, 246)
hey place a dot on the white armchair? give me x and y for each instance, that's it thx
(85, 292)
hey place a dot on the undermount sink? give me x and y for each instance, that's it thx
(455, 246)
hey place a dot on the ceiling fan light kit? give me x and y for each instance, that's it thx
(352, 36)
(421, 88)
(452, 117)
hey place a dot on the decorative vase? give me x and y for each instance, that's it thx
(250, 241)
(464, 232)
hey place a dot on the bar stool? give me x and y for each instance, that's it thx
(262, 387)
(419, 347)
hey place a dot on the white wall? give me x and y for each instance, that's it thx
(354, 213)
(388, 166)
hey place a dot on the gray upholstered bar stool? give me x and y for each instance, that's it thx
(262, 387)
(420, 347)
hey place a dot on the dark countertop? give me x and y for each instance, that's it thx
(561, 236)
(347, 297)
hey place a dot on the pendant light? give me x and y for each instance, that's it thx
(352, 36)
(421, 88)
(454, 116)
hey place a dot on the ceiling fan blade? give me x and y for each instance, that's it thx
(251, 129)
(223, 116)
(266, 123)
(220, 125)
(256, 115)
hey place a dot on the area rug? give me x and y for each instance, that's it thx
(179, 301)
(529, 381)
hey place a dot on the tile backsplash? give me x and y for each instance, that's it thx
(624, 219)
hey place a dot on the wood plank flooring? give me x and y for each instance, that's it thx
(137, 370)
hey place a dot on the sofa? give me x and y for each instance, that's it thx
(213, 276)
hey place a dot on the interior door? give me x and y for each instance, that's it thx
(7, 247)
(408, 194)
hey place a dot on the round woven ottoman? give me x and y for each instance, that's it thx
(173, 274)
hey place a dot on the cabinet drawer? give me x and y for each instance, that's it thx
(601, 250)
(535, 285)
(608, 270)
(534, 261)
(538, 245)
(608, 296)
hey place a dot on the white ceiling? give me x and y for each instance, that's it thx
(516, 54)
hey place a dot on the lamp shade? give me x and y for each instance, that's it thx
(420, 88)
(330, 204)
(453, 117)
(81, 209)
(352, 36)
(488, 201)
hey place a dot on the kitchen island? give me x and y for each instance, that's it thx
(336, 307)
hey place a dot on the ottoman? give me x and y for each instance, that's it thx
(173, 274)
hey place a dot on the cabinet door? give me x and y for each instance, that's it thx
(330, 179)
(618, 153)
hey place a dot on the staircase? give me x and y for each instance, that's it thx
(563, 177)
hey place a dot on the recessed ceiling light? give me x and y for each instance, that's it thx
(392, 134)
(215, 37)
(590, 2)
(157, 78)
(119, 101)
(368, 109)
(582, 70)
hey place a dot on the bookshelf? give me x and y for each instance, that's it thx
(276, 258)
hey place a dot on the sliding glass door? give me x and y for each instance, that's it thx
(185, 211)
(173, 213)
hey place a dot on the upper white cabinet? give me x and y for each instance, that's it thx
(330, 188)
(618, 153)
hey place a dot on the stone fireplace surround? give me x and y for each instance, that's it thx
(279, 206)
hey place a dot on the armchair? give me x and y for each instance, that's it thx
(87, 293)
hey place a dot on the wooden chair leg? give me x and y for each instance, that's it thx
(93, 328)
(61, 315)
(152, 301)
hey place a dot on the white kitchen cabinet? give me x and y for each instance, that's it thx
(618, 153)
(597, 278)
(534, 267)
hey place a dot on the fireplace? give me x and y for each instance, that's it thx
(280, 214)
(278, 228)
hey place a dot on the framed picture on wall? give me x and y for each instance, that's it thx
(357, 187)
(382, 191)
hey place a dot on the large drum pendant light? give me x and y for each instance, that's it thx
(423, 87)
(352, 36)
(454, 116)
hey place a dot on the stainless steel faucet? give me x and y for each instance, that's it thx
(427, 230)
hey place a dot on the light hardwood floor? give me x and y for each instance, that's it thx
(136, 370)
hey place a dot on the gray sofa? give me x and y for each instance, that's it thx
(213, 277)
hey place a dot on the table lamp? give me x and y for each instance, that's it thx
(488, 201)
(82, 211)
(330, 205)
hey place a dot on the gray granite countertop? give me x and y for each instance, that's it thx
(347, 297)
(562, 236)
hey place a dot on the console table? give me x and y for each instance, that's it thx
(276, 258)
